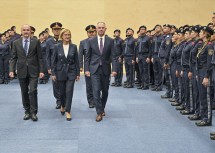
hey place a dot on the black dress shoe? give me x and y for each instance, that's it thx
(212, 137)
(194, 117)
(130, 86)
(165, 96)
(175, 104)
(113, 84)
(159, 89)
(172, 100)
(212, 133)
(34, 117)
(58, 106)
(213, 108)
(154, 89)
(185, 112)
(180, 108)
(118, 85)
(145, 88)
(140, 87)
(203, 123)
(91, 105)
(27, 116)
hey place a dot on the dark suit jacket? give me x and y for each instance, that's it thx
(65, 68)
(93, 56)
(82, 51)
(32, 64)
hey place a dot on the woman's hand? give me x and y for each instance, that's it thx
(77, 78)
(54, 78)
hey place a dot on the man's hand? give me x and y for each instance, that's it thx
(205, 82)
(113, 74)
(177, 74)
(54, 78)
(41, 75)
(137, 60)
(182, 73)
(120, 59)
(87, 73)
(81, 69)
(148, 60)
(166, 66)
(49, 71)
(11, 74)
(190, 75)
(152, 60)
(133, 62)
(78, 78)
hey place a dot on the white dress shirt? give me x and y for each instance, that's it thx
(66, 49)
(103, 40)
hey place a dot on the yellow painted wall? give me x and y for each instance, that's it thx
(77, 14)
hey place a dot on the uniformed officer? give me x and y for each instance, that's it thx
(157, 67)
(173, 29)
(212, 134)
(179, 98)
(42, 39)
(193, 72)
(32, 32)
(56, 29)
(143, 56)
(164, 53)
(4, 59)
(204, 69)
(185, 62)
(173, 65)
(129, 57)
(91, 32)
(118, 49)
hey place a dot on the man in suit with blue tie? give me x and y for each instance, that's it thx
(98, 59)
(26, 53)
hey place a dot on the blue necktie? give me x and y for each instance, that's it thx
(101, 45)
(26, 47)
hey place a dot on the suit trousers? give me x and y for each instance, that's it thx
(66, 93)
(4, 68)
(89, 89)
(28, 87)
(56, 92)
(100, 84)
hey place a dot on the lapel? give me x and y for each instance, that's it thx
(97, 44)
(21, 46)
(61, 51)
(30, 46)
(70, 50)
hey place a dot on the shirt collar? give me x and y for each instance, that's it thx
(101, 37)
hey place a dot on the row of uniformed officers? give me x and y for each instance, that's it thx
(181, 59)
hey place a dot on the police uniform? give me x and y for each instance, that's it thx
(49, 52)
(129, 55)
(195, 104)
(4, 62)
(157, 67)
(164, 53)
(143, 52)
(82, 52)
(173, 66)
(185, 63)
(204, 68)
(45, 79)
(118, 50)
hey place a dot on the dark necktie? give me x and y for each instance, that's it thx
(26, 47)
(101, 45)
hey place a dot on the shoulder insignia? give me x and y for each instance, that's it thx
(167, 42)
(210, 52)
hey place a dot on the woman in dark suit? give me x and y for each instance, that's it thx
(65, 70)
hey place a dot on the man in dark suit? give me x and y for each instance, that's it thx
(98, 59)
(26, 53)
(91, 32)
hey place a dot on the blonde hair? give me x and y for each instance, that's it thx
(64, 31)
